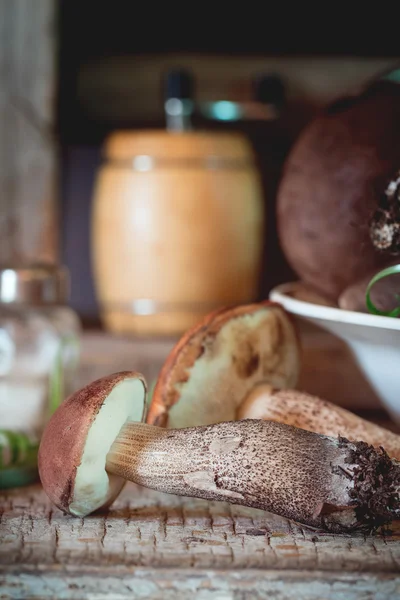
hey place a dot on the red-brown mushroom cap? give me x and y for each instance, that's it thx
(217, 363)
(75, 443)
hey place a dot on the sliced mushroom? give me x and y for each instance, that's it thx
(314, 414)
(216, 364)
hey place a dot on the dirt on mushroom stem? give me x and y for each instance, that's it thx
(319, 481)
(385, 223)
(378, 472)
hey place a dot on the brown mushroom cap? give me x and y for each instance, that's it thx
(75, 443)
(330, 188)
(217, 363)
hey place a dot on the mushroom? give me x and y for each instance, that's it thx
(331, 224)
(309, 412)
(222, 359)
(76, 440)
(96, 439)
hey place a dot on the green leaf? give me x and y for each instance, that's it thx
(395, 312)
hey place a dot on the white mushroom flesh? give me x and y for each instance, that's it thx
(94, 487)
(266, 336)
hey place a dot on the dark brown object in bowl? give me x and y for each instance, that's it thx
(331, 185)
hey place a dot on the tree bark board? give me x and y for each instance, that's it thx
(160, 543)
(28, 209)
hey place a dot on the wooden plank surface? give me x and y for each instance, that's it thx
(28, 205)
(43, 551)
(153, 545)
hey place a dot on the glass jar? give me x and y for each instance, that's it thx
(39, 356)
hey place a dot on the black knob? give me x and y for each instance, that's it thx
(179, 83)
(269, 89)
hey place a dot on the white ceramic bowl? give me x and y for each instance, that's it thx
(373, 340)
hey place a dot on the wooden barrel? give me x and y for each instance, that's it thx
(177, 229)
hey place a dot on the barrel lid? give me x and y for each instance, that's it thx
(165, 145)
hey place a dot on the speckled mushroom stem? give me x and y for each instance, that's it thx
(306, 411)
(316, 480)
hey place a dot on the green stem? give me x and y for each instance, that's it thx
(17, 449)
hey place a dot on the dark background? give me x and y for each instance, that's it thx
(91, 32)
(94, 30)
